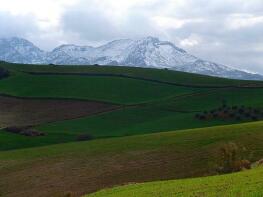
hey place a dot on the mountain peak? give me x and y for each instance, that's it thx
(145, 52)
(17, 40)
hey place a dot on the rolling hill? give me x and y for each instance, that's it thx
(85, 167)
(132, 101)
(141, 123)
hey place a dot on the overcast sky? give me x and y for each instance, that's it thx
(225, 31)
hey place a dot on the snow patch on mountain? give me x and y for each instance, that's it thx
(145, 52)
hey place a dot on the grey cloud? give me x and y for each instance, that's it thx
(16, 26)
(93, 24)
(89, 23)
(240, 47)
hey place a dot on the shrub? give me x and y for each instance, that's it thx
(247, 115)
(197, 116)
(230, 159)
(241, 111)
(226, 111)
(234, 107)
(259, 162)
(3, 73)
(215, 115)
(13, 129)
(238, 118)
(232, 115)
(85, 137)
(202, 117)
(212, 111)
(242, 165)
(26, 131)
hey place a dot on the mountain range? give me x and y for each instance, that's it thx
(145, 52)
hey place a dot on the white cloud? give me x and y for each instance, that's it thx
(238, 21)
(191, 41)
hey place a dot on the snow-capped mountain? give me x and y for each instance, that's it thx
(18, 50)
(146, 52)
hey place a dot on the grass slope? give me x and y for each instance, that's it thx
(86, 167)
(109, 89)
(165, 115)
(158, 74)
(131, 121)
(165, 107)
(243, 184)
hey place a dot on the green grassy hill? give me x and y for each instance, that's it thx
(148, 73)
(86, 167)
(243, 184)
(127, 111)
(150, 101)
(109, 89)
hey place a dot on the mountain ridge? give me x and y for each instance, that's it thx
(145, 52)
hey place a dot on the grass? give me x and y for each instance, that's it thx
(158, 74)
(165, 115)
(233, 96)
(130, 121)
(86, 167)
(123, 122)
(162, 107)
(108, 89)
(243, 184)
(42, 166)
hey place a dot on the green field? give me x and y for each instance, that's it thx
(78, 168)
(244, 184)
(158, 74)
(109, 89)
(147, 106)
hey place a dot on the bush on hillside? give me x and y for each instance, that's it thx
(3, 73)
(231, 112)
(231, 159)
(259, 162)
(26, 131)
(85, 137)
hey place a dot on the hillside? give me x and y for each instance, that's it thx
(126, 113)
(67, 102)
(69, 168)
(163, 75)
(244, 184)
